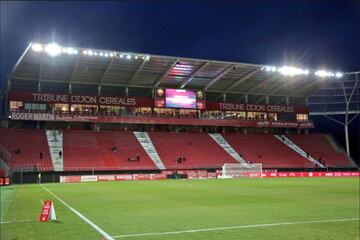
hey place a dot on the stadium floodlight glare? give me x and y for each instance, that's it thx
(136, 57)
(101, 54)
(128, 57)
(111, 54)
(292, 71)
(70, 51)
(106, 54)
(95, 53)
(270, 68)
(85, 52)
(323, 73)
(90, 53)
(121, 55)
(37, 47)
(339, 75)
(53, 49)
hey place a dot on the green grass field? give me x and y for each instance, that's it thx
(292, 208)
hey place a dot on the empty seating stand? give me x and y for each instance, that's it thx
(127, 146)
(319, 146)
(30, 143)
(266, 149)
(199, 150)
(88, 150)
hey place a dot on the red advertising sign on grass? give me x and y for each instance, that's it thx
(47, 212)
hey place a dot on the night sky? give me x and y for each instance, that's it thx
(310, 34)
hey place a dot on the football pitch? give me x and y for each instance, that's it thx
(291, 208)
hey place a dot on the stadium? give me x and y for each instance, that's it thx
(87, 115)
(111, 144)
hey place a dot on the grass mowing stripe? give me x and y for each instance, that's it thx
(19, 221)
(93, 225)
(234, 227)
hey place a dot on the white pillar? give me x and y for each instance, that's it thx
(347, 140)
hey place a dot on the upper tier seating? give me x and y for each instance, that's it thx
(30, 143)
(85, 150)
(199, 149)
(319, 146)
(266, 149)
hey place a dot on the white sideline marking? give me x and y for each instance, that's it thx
(97, 228)
(20, 221)
(233, 227)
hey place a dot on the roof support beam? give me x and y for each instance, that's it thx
(163, 76)
(240, 80)
(142, 64)
(243, 79)
(107, 69)
(40, 74)
(193, 74)
(73, 74)
(219, 76)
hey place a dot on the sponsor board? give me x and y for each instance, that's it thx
(89, 178)
(102, 178)
(311, 174)
(124, 177)
(69, 179)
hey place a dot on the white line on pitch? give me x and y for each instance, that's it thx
(234, 227)
(97, 228)
(19, 221)
(41, 201)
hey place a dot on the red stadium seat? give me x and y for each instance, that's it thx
(318, 145)
(30, 143)
(266, 149)
(202, 152)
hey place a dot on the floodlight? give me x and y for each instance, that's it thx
(121, 55)
(101, 54)
(128, 57)
(111, 54)
(323, 73)
(70, 51)
(53, 49)
(106, 54)
(37, 47)
(291, 71)
(90, 53)
(136, 57)
(339, 75)
(95, 53)
(85, 52)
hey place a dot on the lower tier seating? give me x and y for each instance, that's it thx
(87, 150)
(119, 150)
(25, 147)
(266, 149)
(319, 147)
(198, 149)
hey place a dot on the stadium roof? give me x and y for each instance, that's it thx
(82, 70)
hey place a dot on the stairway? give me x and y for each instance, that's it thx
(146, 143)
(219, 139)
(55, 142)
